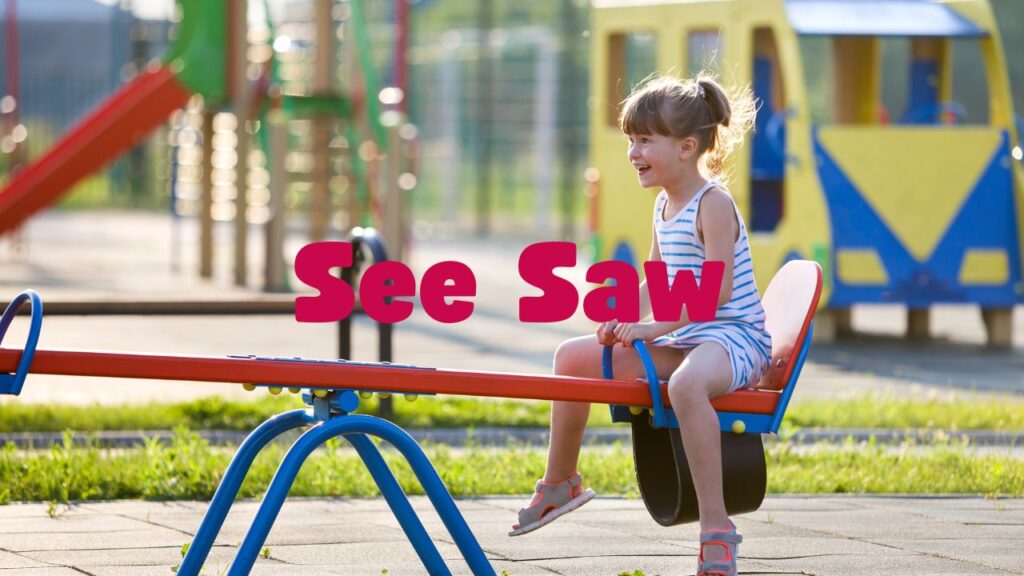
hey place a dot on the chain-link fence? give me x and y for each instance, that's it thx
(70, 55)
(498, 90)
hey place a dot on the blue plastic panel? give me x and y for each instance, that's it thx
(878, 18)
(986, 219)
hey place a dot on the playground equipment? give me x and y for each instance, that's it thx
(918, 208)
(790, 302)
(210, 57)
(195, 64)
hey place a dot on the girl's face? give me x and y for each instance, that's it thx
(658, 160)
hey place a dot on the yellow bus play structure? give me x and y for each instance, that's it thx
(919, 205)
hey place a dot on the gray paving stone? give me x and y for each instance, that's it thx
(812, 503)
(358, 553)
(146, 538)
(650, 565)
(69, 523)
(258, 570)
(165, 556)
(25, 510)
(881, 523)
(141, 508)
(999, 553)
(785, 547)
(915, 564)
(129, 570)
(47, 571)
(570, 539)
(10, 560)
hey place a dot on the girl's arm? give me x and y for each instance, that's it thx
(718, 222)
(655, 256)
(605, 332)
(719, 230)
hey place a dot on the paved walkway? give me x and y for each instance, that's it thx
(111, 255)
(841, 536)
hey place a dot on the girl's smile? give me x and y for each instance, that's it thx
(655, 159)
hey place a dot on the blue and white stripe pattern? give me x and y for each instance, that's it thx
(739, 323)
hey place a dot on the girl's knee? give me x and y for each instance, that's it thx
(571, 358)
(686, 389)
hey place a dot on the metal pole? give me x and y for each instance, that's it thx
(323, 73)
(238, 50)
(572, 102)
(401, 63)
(206, 210)
(485, 101)
(12, 106)
(274, 276)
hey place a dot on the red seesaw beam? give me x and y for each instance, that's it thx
(332, 374)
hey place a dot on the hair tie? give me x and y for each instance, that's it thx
(700, 90)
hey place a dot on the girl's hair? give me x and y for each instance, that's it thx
(718, 118)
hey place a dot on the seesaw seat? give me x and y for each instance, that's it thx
(665, 483)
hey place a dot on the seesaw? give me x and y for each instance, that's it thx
(331, 387)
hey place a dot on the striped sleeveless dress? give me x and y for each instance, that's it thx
(739, 323)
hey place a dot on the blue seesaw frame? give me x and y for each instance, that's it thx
(331, 416)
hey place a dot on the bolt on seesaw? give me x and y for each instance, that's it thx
(331, 388)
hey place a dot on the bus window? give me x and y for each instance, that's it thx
(768, 150)
(631, 58)
(703, 51)
(878, 80)
(855, 80)
(815, 54)
(902, 81)
(970, 83)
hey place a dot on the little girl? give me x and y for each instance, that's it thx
(679, 135)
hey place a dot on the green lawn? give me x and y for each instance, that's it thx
(189, 468)
(214, 413)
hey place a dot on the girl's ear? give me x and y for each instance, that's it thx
(688, 148)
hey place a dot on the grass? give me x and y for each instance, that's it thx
(889, 412)
(189, 468)
(209, 413)
(214, 413)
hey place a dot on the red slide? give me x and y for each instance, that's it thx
(106, 133)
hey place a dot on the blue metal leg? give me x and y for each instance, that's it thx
(359, 424)
(199, 549)
(438, 494)
(399, 504)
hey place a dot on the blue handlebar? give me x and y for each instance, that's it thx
(653, 383)
(12, 383)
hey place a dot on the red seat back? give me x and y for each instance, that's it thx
(789, 303)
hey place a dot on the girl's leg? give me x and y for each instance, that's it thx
(704, 374)
(581, 357)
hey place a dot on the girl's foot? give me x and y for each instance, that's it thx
(718, 552)
(551, 500)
